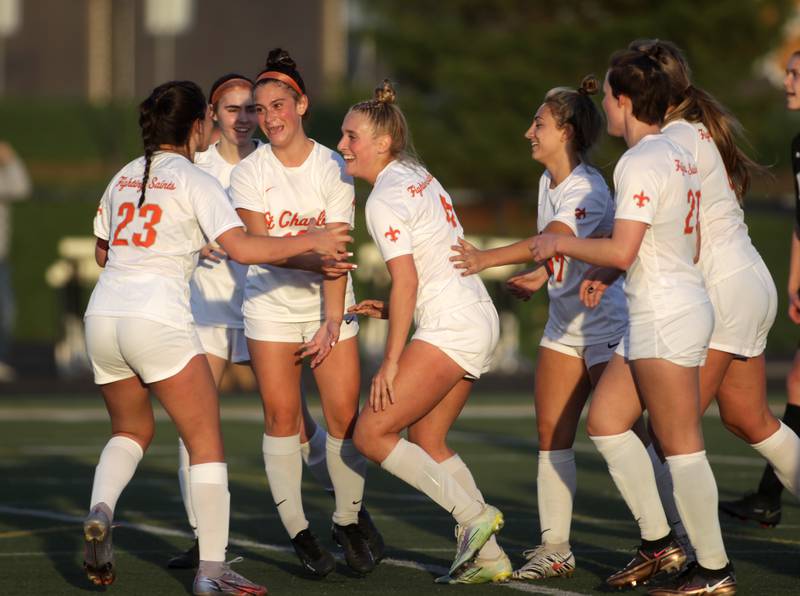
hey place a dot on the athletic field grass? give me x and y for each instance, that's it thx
(49, 447)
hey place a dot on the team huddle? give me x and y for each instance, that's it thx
(645, 291)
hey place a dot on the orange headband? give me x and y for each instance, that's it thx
(237, 82)
(283, 78)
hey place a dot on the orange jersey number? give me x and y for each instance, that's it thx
(152, 215)
(693, 198)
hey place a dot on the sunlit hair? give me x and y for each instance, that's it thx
(574, 108)
(688, 102)
(386, 118)
(640, 76)
(166, 118)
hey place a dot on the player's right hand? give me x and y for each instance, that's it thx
(377, 309)
(330, 241)
(524, 285)
(467, 257)
(213, 252)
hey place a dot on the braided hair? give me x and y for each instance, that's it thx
(166, 118)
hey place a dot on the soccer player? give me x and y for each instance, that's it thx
(764, 506)
(140, 335)
(291, 310)
(656, 241)
(217, 284)
(578, 341)
(424, 385)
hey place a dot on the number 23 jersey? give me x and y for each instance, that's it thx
(153, 248)
(656, 183)
(409, 212)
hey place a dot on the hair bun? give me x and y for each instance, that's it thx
(590, 85)
(385, 93)
(280, 58)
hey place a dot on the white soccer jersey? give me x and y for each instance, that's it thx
(289, 198)
(656, 183)
(725, 244)
(153, 248)
(409, 213)
(583, 203)
(217, 289)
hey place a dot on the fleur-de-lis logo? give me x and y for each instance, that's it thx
(392, 234)
(580, 212)
(641, 199)
(449, 213)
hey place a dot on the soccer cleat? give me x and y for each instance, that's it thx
(647, 564)
(473, 535)
(480, 571)
(371, 533)
(189, 559)
(756, 507)
(355, 546)
(542, 563)
(228, 582)
(312, 554)
(98, 558)
(696, 580)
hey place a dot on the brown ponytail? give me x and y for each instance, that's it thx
(574, 108)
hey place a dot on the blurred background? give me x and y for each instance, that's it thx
(470, 74)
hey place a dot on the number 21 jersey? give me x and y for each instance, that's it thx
(656, 183)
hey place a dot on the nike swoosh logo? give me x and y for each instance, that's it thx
(710, 589)
(612, 346)
(357, 502)
(281, 503)
(268, 189)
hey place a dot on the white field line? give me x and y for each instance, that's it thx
(254, 413)
(157, 530)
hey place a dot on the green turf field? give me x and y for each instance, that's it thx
(49, 446)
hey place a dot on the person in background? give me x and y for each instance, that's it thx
(15, 185)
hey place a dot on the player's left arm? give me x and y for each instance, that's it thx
(403, 298)
(618, 252)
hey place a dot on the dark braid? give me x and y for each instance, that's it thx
(166, 118)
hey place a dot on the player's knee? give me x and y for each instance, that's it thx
(281, 423)
(793, 384)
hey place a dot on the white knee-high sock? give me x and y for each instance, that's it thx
(555, 487)
(212, 504)
(117, 464)
(314, 454)
(412, 464)
(459, 470)
(696, 497)
(782, 450)
(284, 466)
(630, 467)
(666, 492)
(185, 484)
(348, 470)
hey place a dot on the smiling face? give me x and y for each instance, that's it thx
(547, 140)
(280, 115)
(235, 116)
(365, 154)
(615, 117)
(791, 83)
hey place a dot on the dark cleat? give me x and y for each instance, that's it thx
(371, 533)
(755, 507)
(649, 563)
(355, 546)
(312, 554)
(189, 559)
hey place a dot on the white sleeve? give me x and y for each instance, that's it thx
(638, 189)
(102, 219)
(388, 229)
(213, 210)
(245, 189)
(583, 208)
(340, 196)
